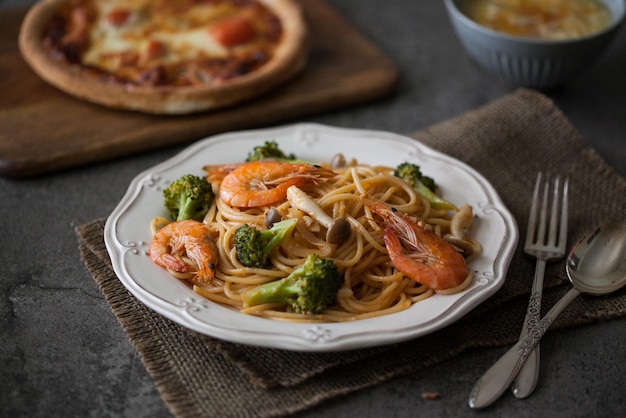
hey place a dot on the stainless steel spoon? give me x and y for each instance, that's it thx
(597, 266)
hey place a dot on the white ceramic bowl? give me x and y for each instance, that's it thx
(528, 62)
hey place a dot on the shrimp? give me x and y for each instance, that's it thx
(428, 259)
(185, 246)
(261, 183)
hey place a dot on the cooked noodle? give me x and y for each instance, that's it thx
(371, 285)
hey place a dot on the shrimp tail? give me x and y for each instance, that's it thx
(217, 172)
(170, 262)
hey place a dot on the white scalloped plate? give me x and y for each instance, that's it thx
(127, 236)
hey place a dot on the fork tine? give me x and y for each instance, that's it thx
(564, 216)
(534, 208)
(554, 214)
(543, 222)
(558, 218)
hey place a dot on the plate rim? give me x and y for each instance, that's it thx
(306, 337)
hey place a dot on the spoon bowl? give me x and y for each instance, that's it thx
(597, 266)
(597, 263)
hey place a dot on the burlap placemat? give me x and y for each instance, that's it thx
(508, 141)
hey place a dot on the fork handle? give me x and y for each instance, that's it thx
(526, 381)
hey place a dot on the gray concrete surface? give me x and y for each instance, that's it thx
(62, 353)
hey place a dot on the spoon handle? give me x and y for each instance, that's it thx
(494, 382)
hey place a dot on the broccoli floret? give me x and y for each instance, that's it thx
(188, 197)
(254, 246)
(424, 185)
(271, 151)
(310, 288)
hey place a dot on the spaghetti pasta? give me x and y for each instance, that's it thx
(371, 284)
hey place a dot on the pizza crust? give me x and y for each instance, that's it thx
(289, 59)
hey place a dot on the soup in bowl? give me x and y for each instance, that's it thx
(536, 43)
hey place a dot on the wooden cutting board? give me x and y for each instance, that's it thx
(43, 130)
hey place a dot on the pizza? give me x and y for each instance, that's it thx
(165, 56)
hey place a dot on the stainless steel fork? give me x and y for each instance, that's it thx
(546, 239)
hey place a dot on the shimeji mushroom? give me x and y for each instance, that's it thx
(337, 230)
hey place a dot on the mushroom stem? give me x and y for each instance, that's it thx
(337, 230)
(300, 200)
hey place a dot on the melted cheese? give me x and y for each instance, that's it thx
(182, 28)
